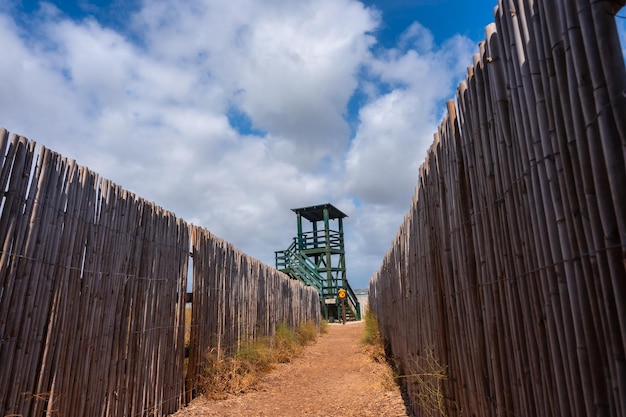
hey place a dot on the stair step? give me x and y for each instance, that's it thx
(300, 268)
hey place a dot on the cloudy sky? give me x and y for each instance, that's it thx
(230, 113)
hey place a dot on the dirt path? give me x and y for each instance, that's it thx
(334, 377)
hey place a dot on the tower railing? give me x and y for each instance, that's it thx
(317, 239)
(299, 266)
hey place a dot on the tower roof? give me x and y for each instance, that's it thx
(316, 213)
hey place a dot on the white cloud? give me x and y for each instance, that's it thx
(397, 127)
(36, 98)
(290, 66)
(383, 160)
(149, 109)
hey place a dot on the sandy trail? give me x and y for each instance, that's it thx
(334, 377)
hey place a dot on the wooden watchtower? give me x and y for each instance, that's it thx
(320, 245)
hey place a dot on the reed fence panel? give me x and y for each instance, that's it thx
(236, 299)
(93, 283)
(504, 290)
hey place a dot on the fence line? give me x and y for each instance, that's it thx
(93, 285)
(510, 266)
(257, 298)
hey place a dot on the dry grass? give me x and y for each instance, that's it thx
(285, 344)
(226, 376)
(243, 371)
(324, 326)
(427, 373)
(372, 339)
(187, 324)
(389, 379)
(375, 349)
(427, 376)
(306, 333)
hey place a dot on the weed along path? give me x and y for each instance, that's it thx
(333, 377)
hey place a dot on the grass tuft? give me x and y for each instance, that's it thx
(226, 376)
(243, 371)
(306, 333)
(372, 339)
(258, 353)
(285, 344)
(324, 326)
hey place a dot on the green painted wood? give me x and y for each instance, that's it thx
(317, 258)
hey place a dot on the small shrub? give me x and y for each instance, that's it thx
(427, 376)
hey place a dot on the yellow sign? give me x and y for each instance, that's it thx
(342, 293)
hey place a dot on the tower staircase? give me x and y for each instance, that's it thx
(317, 258)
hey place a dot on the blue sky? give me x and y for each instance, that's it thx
(231, 113)
(444, 18)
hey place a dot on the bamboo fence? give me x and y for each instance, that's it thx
(93, 284)
(237, 299)
(504, 291)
